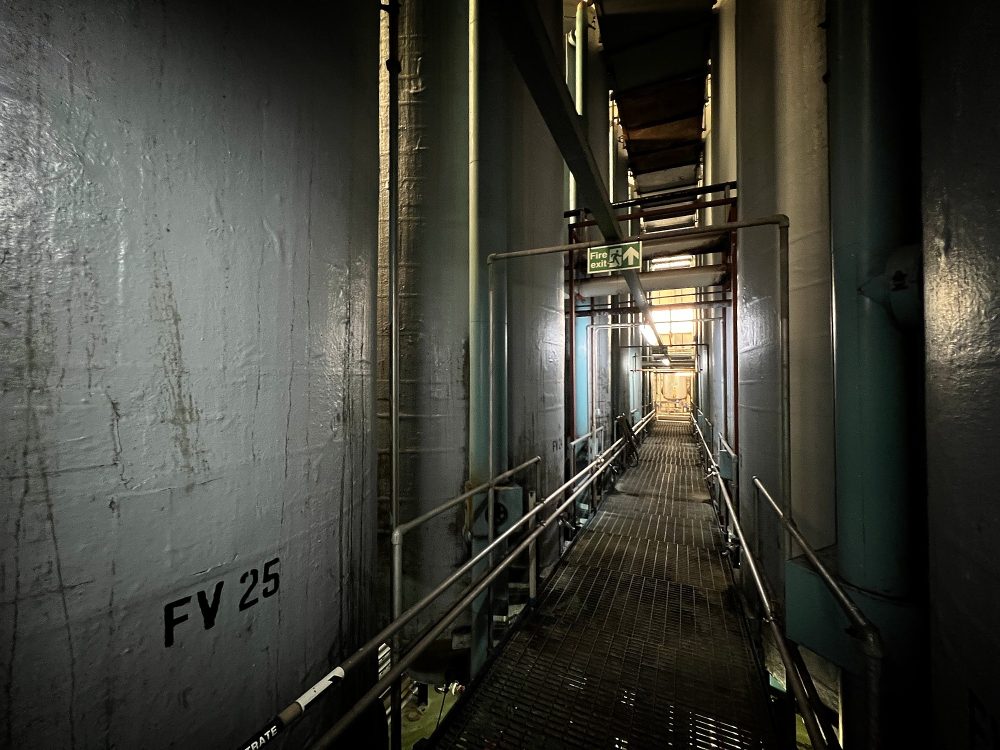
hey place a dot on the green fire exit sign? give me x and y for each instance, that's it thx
(614, 257)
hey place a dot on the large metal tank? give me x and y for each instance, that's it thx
(780, 62)
(187, 230)
(536, 340)
(960, 97)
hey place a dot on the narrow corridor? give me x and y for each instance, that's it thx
(638, 640)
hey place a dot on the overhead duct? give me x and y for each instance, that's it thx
(675, 278)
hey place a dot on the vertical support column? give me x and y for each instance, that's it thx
(874, 210)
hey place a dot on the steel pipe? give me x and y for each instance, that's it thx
(580, 439)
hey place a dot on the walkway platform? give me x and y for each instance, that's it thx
(638, 640)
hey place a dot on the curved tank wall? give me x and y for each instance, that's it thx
(781, 126)
(188, 202)
(961, 251)
(536, 307)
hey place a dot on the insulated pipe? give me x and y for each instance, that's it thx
(674, 278)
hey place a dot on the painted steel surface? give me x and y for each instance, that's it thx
(187, 202)
(960, 160)
(780, 61)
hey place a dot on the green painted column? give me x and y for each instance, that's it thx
(874, 210)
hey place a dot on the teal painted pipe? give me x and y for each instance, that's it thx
(489, 178)
(874, 210)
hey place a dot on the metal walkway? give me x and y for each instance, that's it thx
(638, 640)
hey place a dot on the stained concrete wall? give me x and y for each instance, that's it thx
(187, 222)
(960, 100)
(781, 130)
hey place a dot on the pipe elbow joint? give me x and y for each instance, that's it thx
(397, 538)
(872, 643)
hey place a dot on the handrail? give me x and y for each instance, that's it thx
(487, 487)
(601, 463)
(816, 737)
(580, 439)
(291, 713)
(640, 408)
(458, 499)
(724, 445)
(867, 632)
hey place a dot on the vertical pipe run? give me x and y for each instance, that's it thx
(394, 67)
(874, 209)
(479, 441)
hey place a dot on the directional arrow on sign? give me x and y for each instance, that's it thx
(607, 258)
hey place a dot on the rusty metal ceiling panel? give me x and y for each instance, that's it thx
(668, 158)
(662, 101)
(657, 53)
(653, 138)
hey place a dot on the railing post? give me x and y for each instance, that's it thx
(533, 553)
(396, 694)
(490, 533)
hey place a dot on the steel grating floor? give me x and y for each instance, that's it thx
(638, 641)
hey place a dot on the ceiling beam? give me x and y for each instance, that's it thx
(531, 51)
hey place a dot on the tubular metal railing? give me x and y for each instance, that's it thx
(733, 463)
(793, 679)
(862, 628)
(490, 489)
(575, 486)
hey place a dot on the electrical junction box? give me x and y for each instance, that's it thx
(728, 465)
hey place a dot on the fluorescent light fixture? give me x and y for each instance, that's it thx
(649, 335)
(670, 262)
